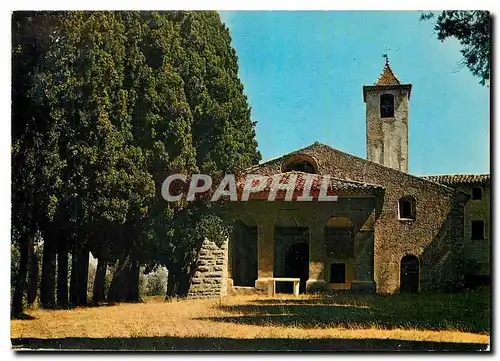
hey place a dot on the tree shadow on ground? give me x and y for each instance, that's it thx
(234, 344)
(464, 312)
(21, 316)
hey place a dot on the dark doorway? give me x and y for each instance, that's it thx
(297, 265)
(243, 250)
(291, 257)
(409, 274)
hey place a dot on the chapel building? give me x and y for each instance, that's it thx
(389, 231)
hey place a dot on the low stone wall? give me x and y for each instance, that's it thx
(210, 278)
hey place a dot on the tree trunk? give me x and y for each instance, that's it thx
(79, 277)
(185, 282)
(17, 299)
(125, 284)
(118, 289)
(83, 277)
(62, 276)
(99, 292)
(179, 280)
(178, 283)
(73, 286)
(174, 287)
(48, 284)
(170, 285)
(33, 277)
(133, 282)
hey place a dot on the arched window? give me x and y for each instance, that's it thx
(301, 166)
(387, 106)
(407, 208)
(300, 162)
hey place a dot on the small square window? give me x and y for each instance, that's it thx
(337, 273)
(477, 230)
(407, 208)
(477, 193)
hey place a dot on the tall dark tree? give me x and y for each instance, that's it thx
(223, 132)
(106, 105)
(161, 129)
(473, 30)
(36, 165)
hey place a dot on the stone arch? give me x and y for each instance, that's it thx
(300, 162)
(339, 222)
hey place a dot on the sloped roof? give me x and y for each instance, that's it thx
(458, 179)
(321, 148)
(336, 186)
(386, 80)
(387, 77)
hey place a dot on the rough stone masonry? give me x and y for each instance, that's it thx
(210, 278)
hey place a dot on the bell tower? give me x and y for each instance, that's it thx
(387, 104)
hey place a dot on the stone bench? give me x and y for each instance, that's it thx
(271, 286)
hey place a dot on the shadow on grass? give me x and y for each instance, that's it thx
(232, 344)
(468, 312)
(21, 316)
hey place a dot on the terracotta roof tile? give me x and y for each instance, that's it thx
(457, 179)
(336, 186)
(387, 77)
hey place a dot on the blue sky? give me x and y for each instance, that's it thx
(303, 74)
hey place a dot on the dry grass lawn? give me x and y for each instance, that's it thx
(308, 322)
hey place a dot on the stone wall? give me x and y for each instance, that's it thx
(387, 138)
(477, 252)
(210, 278)
(429, 236)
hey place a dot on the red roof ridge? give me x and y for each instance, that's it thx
(457, 178)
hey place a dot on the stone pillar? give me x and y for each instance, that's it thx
(210, 278)
(364, 262)
(265, 253)
(317, 256)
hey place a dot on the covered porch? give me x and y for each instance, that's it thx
(329, 245)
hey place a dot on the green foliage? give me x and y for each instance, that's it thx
(106, 105)
(154, 283)
(223, 133)
(473, 30)
(36, 162)
(91, 277)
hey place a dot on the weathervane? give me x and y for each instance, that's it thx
(385, 55)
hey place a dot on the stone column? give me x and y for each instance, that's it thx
(364, 262)
(317, 256)
(210, 277)
(265, 253)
